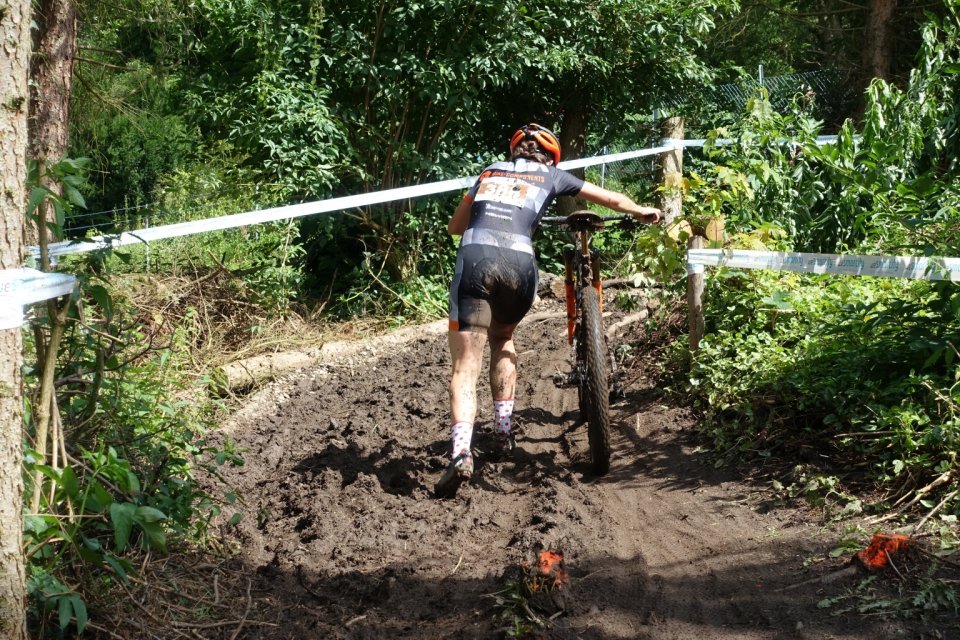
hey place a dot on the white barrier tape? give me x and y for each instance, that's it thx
(618, 157)
(852, 265)
(21, 287)
(256, 217)
(308, 208)
(722, 142)
(694, 268)
(327, 206)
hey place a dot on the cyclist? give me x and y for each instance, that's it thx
(495, 280)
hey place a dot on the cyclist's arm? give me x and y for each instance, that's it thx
(619, 202)
(461, 217)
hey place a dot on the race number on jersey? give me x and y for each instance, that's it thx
(508, 191)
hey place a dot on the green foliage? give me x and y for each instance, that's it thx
(925, 597)
(877, 189)
(789, 360)
(133, 493)
(308, 103)
(860, 372)
(69, 175)
(124, 479)
(128, 125)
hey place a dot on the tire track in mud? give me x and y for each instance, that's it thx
(346, 541)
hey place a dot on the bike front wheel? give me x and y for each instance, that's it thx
(594, 390)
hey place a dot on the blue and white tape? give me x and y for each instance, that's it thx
(22, 287)
(915, 268)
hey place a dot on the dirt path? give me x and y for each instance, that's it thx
(346, 541)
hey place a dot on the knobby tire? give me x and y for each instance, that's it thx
(595, 392)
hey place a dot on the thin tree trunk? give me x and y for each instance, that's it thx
(878, 40)
(14, 98)
(51, 75)
(573, 142)
(670, 170)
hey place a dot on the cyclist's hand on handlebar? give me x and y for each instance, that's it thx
(648, 215)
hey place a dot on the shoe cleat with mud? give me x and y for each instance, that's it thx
(458, 471)
(502, 446)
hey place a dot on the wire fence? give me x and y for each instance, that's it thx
(825, 93)
(615, 174)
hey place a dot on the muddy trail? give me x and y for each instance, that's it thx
(344, 539)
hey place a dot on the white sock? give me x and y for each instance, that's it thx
(502, 411)
(461, 433)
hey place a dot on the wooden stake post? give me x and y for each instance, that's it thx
(695, 296)
(670, 201)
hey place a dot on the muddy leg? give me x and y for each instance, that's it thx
(466, 352)
(503, 362)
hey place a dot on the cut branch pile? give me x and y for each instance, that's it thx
(190, 596)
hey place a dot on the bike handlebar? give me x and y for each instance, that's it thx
(586, 220)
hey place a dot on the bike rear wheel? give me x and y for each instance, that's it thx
(594, 390)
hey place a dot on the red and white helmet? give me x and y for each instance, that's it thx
(543, 136)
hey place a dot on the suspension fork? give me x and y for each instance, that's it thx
(590, 265)
(581, 269)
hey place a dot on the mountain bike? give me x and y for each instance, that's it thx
(584, 300)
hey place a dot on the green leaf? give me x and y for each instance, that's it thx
(48, 471)
(102, 297)
(69, 482)
(80, 611)
(149, 514)
(122, 515)
(90, 556)
(99, 498)
(60, 212)
(37, 195)
(121, 567)
(155, 535)
(91, 543)
(38, 524)
(779, 300)
(65, 606)
(132, 483)
(74, 197)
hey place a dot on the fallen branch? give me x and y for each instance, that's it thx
(894, 567)
(633, 318)
(934, 556)
(458, 565)
(353, 621)
(937, 508)
(243, 620)
(243, 375)
(849, 570)
(546, 315)
(945, 477)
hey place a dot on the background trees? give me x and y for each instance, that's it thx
(860, 40)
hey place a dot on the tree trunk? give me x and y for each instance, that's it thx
(14, 98)
(670, 171)
(51, 75)
(878, 40)
(573, 142)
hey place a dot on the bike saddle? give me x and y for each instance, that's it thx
(584, 217)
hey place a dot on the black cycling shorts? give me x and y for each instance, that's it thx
(491, 284)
